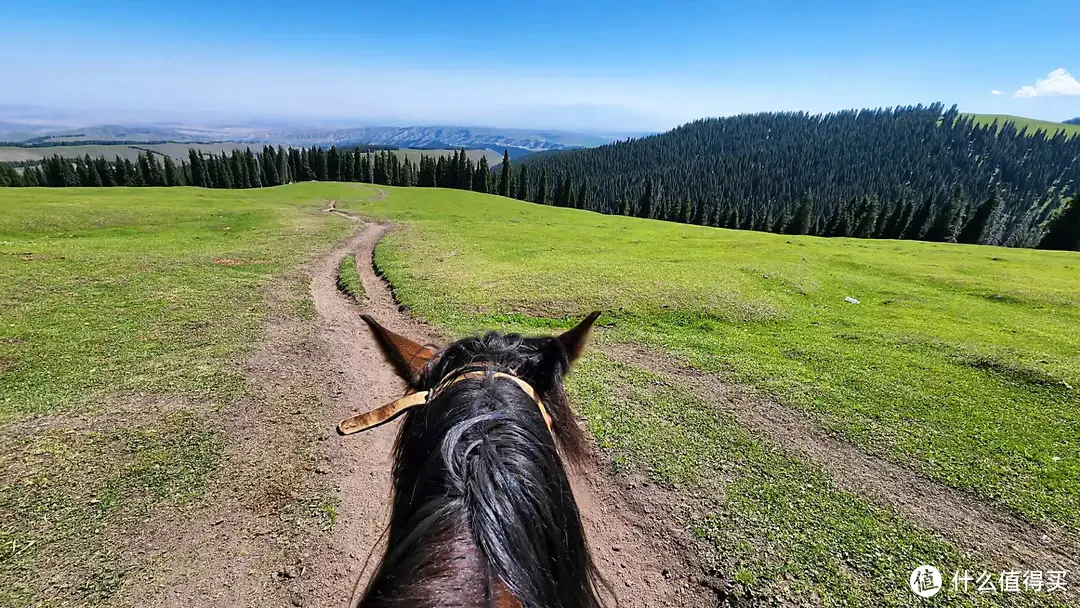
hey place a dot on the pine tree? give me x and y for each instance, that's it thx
(505, 175)
(646, 202)
(1063, 231)
(238, 170)
(270, 168)
(565, 197)
(732, 220)
(919, 219)
(866, 213)
(800, 222)
(542, 189)
(942, 229)
(333, 164)
(284, 169)
(481, 175)
(523, 193)
(254, 172)
(104, 172)
(170, 173)
(975, 229)
(582, 200)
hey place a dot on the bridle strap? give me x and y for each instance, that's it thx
(373, 418)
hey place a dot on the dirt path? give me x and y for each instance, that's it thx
(985, 532)
(645, 560)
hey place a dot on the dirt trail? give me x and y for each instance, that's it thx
(984, 531)
(645, 560)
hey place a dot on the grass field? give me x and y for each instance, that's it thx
(1032, 124)
(959, 362)
(124, 315)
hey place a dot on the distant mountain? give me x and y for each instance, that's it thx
(517, 141)
(1072, 121)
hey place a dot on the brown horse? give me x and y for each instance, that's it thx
(483, 513)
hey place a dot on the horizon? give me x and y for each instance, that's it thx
(575, 68)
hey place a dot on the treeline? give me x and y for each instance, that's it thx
(906, 173)
(247, 169)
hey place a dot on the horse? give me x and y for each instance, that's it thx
(482, 512)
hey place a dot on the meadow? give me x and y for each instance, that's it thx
(124, 317)
(1032, 124)
(958, 362)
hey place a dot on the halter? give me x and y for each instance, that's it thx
(375, 417)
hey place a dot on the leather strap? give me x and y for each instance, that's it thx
(375, 417)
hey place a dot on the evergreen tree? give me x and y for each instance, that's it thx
(238, 170)
(732, 218)
(866, 213)
(481, 175)
(920, 217)
(975, 229)
(646, 202)
(254, 172)
(284, 169)
(1063, 231)
(582, 199)
(523, 193)
(942, 228)
(505, 175)
(542, 189)
(800, 222)
(333, 164)
(170, 173)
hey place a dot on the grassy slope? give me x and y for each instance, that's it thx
(120, 283)
(1032, 124)
(123, 316)
(959, 362)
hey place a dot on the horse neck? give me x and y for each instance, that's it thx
(482, 506)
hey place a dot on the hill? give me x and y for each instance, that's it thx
(916, 172)
(1032, 124)
(1073, 121)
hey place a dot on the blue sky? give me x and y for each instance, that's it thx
(601, 66)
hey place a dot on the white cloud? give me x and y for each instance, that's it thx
(995, 92)
(1058, 82)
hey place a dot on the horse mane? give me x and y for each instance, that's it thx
(482, 503)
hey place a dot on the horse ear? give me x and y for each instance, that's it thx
(574, 339)
(407, 357)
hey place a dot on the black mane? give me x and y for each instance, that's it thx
(480, 491)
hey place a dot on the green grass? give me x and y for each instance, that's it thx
(348, 281)
(1032, 124)
(124, 317)
(778, 527)
(961, 362)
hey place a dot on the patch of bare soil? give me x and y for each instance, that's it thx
(982, 530)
